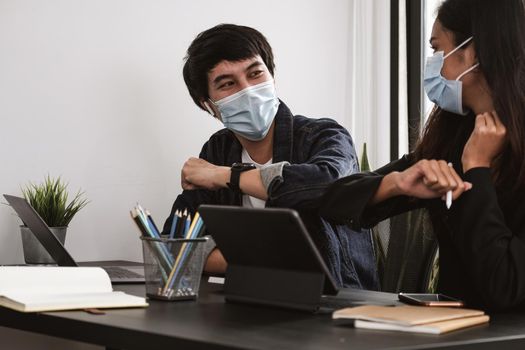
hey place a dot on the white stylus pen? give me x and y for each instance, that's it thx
(448, 198)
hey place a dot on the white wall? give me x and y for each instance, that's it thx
(368, 91)
(92, 90)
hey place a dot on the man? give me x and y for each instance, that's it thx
(266, 156)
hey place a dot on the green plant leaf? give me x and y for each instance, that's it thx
(50, 200)
(365, 166)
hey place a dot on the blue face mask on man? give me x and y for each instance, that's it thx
(447, 94)
(249, 112)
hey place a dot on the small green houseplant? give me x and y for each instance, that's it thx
(50, 201)
(365, 165)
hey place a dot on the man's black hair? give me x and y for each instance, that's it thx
(228, 42)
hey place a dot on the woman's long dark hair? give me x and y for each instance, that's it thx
(498, 28)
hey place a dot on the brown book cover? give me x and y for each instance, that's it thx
(418, 319)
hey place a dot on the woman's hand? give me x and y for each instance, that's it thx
(485, 143)
(425, 179)
(431, 179)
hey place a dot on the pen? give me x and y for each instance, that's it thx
(152, 223)
(169, 282)
(174, 223)
(187, 250)
(178, 277)
(179, 230)
(448, 197)
(188, 224)
(149, 221)
(154, 232)
(165, 258)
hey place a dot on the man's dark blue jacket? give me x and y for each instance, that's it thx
(319, 151)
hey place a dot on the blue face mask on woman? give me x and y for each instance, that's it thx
(250, 112)
(445, 93)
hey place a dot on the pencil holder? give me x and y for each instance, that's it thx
(173, 267)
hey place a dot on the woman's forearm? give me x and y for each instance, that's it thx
(387, 189)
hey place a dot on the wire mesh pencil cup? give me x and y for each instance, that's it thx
(173, 267)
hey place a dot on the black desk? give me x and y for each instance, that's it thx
(210, 323)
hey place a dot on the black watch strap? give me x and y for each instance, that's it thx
(235, 177)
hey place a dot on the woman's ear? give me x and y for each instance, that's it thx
(469, 53)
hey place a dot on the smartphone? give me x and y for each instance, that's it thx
(429, 299)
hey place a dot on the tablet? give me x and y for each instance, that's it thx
(271, 256)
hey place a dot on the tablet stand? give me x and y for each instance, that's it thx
(300, 290)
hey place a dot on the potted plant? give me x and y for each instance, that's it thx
(50, 201)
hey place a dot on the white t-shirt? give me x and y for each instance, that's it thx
(249, 201)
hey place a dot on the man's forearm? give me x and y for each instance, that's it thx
(252, 185)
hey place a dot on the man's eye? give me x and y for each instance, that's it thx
(256, 73)
(226, 84)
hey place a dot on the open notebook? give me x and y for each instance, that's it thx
(33, 288)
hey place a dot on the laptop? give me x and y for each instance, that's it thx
(28, 215)
(272, 260)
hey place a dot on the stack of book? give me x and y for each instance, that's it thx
(415, 319)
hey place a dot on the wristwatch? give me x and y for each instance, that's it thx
(236, 170)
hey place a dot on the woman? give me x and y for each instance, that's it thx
(473, 145)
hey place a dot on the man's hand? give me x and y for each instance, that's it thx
(198, 173)
(485, 143)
